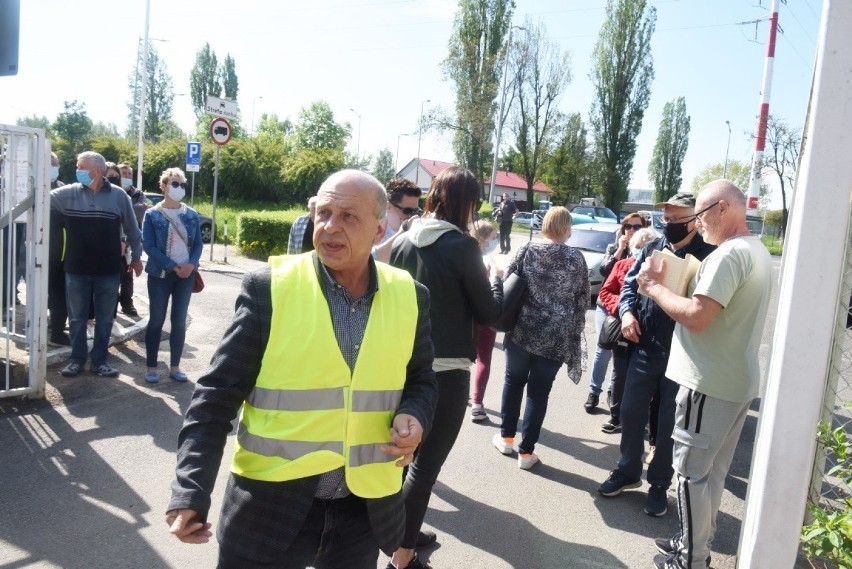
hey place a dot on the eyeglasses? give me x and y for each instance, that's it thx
(709, 207)
(176, 184)
(634, 226)
(407, 211)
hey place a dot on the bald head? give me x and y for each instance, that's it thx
(723, 190)
(362, 181)
(721, 211)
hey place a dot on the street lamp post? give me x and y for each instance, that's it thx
(728, 149)
(502, 107)
(396, 160)
(358, 148)
(253, 103)
(144, 87)
(419, 136)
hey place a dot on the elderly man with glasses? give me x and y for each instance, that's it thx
(649, 330)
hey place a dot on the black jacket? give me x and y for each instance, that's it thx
(451, 268)
(656, 327)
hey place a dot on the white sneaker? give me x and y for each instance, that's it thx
(527, 461)
(477, 413)
(505, 446)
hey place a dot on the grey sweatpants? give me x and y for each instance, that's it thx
(705, 437)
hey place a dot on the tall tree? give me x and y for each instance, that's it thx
(622, 71)
(36, 121)
(567, 167)
(541, 73)
(159, 97)
(204, 79)
(738, 172)
(383, 166)
(230, 83)
(781, 157)
(473, 64)
(670, 150)
(317, 130)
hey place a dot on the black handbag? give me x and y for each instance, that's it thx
(514, 296)
(610, 337)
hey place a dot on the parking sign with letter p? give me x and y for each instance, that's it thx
(193, 156)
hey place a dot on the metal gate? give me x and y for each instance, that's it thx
(24, 216)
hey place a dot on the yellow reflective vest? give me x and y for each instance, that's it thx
(308, 414)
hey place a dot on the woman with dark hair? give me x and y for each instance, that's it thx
(439, 252)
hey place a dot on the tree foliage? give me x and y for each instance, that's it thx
(738, 172)
(622, 72)
(317, 130)
(383, 167)
(670, 150)
(541, 73)
(473, 64)
(36, 121)
(159, 98)
(567, 167)
(270, 126)
(230, 83)
(781, 157)
(73, 129)
(204, 79)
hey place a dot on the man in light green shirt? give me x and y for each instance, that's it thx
(714, 359)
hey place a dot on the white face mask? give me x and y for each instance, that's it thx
(54, 173)
(490, 247)
(636, 251)
(177, 194)
(126, 182)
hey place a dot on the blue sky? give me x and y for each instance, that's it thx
(382, 58)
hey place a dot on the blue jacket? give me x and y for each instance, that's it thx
(155, 235)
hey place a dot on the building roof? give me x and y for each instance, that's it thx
(504, 179)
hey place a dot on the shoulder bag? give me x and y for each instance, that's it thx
(514, 296)
(610, 337)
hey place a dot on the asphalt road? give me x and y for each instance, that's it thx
(86, 473)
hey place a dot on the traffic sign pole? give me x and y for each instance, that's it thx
(215, 189)
(192, 192)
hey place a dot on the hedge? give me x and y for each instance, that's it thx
(264, 233)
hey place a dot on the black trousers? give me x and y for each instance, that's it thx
(505, 237)
(56, 302)
(125, 291)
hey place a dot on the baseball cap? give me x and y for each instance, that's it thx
(680, 199)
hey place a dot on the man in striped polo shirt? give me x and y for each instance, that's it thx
(93, 213)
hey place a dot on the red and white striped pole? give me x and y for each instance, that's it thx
(760, 141)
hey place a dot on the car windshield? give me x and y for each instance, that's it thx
(595, 211)
(591, 240)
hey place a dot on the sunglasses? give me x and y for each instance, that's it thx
(176, 184)
(635, 226)
(408, 211)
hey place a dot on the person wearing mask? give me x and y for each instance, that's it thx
(55, 268)
(140, 205)
(714, 363)
(649, 328)
(316, 473)
(302, 231)
(608, 300)
(614, 252)
(505, 214)
(548, 333)
(94, 213)
(439, 253)
(171, 237)
(403, 208)
(486, 237)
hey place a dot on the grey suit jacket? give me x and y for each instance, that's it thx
(260, 519)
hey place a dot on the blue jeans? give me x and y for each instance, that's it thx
(645, 375)
(81, 291)
(336, 533)
(602, 356)
(536, 373)
(159, 291)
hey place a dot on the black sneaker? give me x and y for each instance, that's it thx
(591, 402)
(670, 546)
(425, 539)
(105, 370)
(72, 369)
(616, 483)
(59, 340)
(667, 561)
(656, 504)
(130, 310)
(610, 427)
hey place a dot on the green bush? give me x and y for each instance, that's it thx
(774, 244)
(261, 234)
(827, 541)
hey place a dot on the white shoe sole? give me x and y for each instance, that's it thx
(526, 464)
(501, 445)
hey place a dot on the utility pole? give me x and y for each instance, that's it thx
(502, 107)
(419, 136)
(141, 138)
(727, 150)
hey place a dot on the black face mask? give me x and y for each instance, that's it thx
(114, 180)
(677, 232)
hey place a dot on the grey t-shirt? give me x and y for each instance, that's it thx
(722, 360)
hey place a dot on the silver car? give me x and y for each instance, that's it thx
(592, 240)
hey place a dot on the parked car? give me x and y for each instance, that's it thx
(592, 240)
(600, 214)
(527, 219)
(154, 198)
(656, 219)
